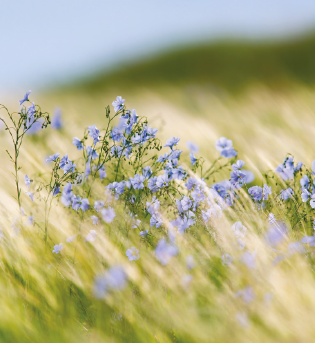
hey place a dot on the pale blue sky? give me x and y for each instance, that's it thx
(44, 41)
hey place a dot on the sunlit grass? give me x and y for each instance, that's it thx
(50, 298)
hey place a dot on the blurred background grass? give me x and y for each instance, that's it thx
(260, 95)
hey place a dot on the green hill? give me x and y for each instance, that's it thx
(231, 65)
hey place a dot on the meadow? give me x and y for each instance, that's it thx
(154, 228)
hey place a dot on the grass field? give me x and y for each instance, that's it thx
(267, 295)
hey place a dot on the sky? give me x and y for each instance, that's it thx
(44, 42)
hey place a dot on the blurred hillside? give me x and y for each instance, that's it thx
(190, 93)
(228, 65)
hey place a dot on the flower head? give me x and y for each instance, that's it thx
(137, 181)
(238, 165)
(53, 158)
(256, 193)
(76, 141)
(57, 248)
(171, 142)
(118, 103)
(94, 133)
(25, 97)
(31, 195)
(27, 181)
(192, 159)
(108, 214)
(133, 254)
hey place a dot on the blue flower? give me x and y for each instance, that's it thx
(286, 172)
(171, 142)
(249, 176)
(84, 205)
(56, 122)
(53, 158)
(164, 251)
(192, 159)
(137, 139)
(64, 160)
(266, 191)
(298, 167)
(102, 172)
(76, 202)
(108, 214)
(238, 178)
(149, 132)
(256, 193)
(286, 193)
(163, 158)
(225, 147)
(133, 254)
(304, 181)
(191, 183)
(220, 189)
(198, 195)
(312, 201)
(228, 153)
(174, 154)
(185, 204)
(31, 110)
(137, 181)
(91, 152)
(66, 165)
(223, 143)
(76, 141)
(238, 165)
(305, 194)
(118, 103)
(162, 180)
(116, 135)
(57, 248)
(31, 195)
(133, 117)
(27, 181)
(152, 184)
(55, 191)
(193, 147)
(155, 220)
(144, 233)
(94, 133)
(25, 97)
(67, 194)
(178, 173)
